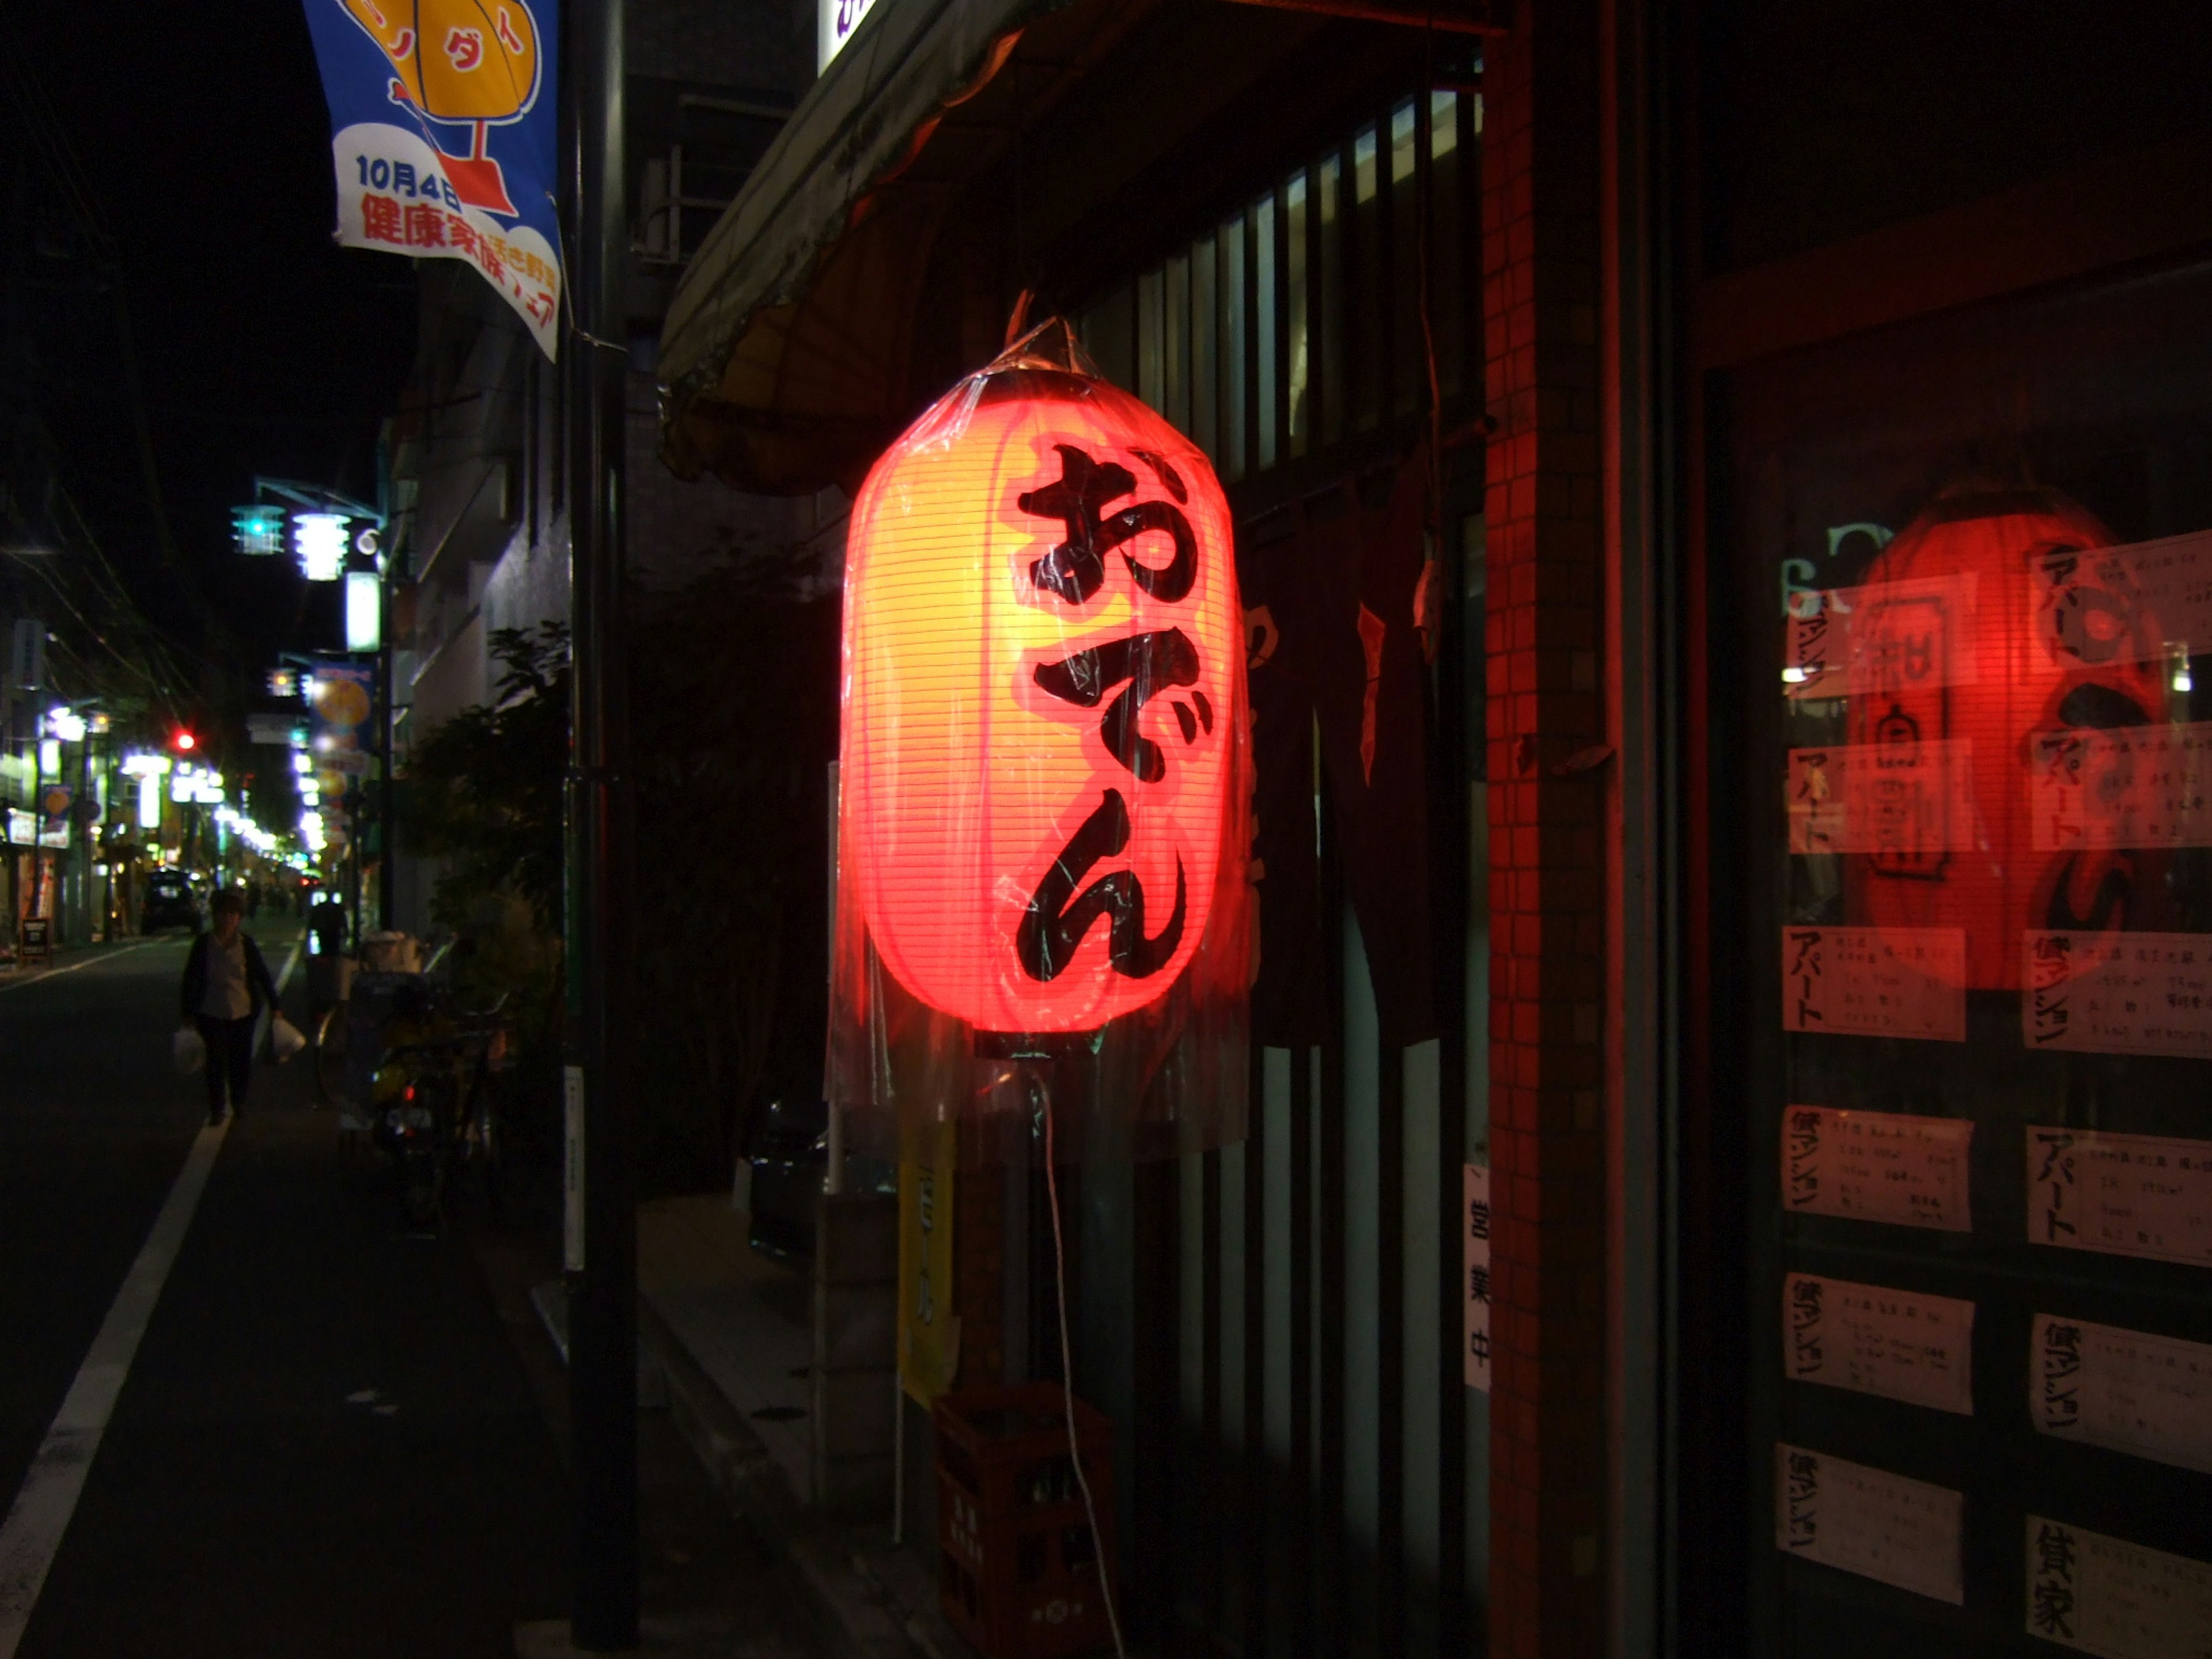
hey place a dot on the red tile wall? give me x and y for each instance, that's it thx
(1546, 859)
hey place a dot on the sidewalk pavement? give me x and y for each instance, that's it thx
(731, 1330)
(66, 957)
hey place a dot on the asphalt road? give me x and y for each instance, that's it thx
(328, 1442)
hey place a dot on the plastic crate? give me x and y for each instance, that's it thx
(1019, 1572)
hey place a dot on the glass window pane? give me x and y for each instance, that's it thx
(1148, 338)
(1204, 332)
(1294, 309)
(1328, 296)
(1109, 336)
(1409, 374)
(1367, 306)
(1447, 235)
(1234, 348)
(1175, 349)
(1267, 342)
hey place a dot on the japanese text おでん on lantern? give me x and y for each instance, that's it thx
(1043, 679)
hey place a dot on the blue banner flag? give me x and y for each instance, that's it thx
(444, 120)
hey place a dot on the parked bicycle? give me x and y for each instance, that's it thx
(433, 1107)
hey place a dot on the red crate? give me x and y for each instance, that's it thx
(1017, 1575)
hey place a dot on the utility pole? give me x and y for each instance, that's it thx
(603, 1262)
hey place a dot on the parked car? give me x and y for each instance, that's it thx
(172, 900)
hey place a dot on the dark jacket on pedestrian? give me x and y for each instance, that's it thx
(260, 984)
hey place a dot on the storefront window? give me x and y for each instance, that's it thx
(1971, 602)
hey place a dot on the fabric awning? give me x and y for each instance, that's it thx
(782, 349)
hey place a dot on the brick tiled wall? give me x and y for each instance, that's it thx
(1546, 863)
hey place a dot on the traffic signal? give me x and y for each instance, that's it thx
(183, 741)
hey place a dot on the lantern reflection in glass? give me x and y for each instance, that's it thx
(1043, 660)
(1987, 620)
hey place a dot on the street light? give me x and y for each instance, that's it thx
(364, 610)
(320, 540)
(257, 530)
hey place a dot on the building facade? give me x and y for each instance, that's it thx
(1761, 863)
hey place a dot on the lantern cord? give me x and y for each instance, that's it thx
(1067, 1379)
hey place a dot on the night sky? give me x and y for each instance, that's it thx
(262, 348)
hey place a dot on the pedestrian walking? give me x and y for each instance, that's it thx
(227, 985)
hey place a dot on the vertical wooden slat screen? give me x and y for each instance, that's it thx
(1328, 1471)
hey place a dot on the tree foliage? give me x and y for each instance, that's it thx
(483, 791)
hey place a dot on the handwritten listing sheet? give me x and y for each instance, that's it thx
(2120, 1600)
(2127, 1391)
(1875, 982)
(2100, 604)
(2140, 1196)
(2117, 992)
(2135, 785)
(1877, 1166)
(1870, 1521)
(1883, 637)
(1898, 800)
(1902, 1345)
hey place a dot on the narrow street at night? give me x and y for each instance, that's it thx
(339, 1435)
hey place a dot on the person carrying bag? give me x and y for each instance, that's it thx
(227, 984)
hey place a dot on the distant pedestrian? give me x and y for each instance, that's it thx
(227, 985)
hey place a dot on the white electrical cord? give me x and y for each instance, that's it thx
(1067, 1382)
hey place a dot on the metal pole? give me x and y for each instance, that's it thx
(387, 837)
(81, 813)
(603, 1286)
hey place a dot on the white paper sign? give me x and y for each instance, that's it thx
(1902, 1345)
(2135, 786)
(1900, 640)
(2143, 1195)
(1875, 982)
(2127, 1391)
(2133, 604)
(1474, 1239)
(1904, 803)
(2117, 992)
(1870, 1521)
(1877, 1166)
(2121, 1601)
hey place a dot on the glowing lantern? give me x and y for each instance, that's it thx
(1983, 621)
(1043, 672)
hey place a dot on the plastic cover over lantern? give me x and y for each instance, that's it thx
(1044, 812)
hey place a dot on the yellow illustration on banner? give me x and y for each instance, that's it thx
(928, 1329)
(467, 62)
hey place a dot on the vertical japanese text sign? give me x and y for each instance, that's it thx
(443, 123)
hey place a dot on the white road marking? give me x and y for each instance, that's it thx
(33, 1532)
(56, 973)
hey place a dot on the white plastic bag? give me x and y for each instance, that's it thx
(187, 1051)
(284, 1039)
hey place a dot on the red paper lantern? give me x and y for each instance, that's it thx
(1979, 622)
(1044, 667)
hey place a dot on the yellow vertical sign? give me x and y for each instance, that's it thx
(928, 1329)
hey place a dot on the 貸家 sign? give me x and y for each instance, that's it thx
(443, 135)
